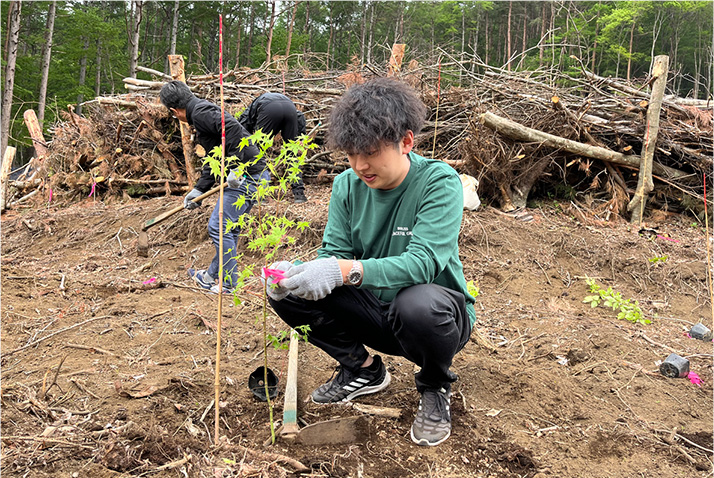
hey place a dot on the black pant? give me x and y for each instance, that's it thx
(426, 323)
(280, 116)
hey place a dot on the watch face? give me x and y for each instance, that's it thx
(354, 277)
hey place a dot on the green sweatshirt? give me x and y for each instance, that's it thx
(404, 236)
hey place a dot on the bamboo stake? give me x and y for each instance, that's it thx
(709, 260)
(217, 379)
(436, 119)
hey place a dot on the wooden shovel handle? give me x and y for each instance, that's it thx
(161, 217)
(290, 426)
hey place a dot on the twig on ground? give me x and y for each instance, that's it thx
(31, 344)
(90, 347)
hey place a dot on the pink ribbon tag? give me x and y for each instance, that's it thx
(50, 195)
(686, 334)
(94, 186)
(659, 236)
(694, 378)
(150, 281)
(277, 274)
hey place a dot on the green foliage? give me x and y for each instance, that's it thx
(265, 232)
(609, 298)
(658, 260)
(596, 33)
(473, 288)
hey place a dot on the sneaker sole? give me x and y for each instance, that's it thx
(362, 391)
(425, 442)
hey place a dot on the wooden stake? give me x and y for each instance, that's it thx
(217, 379)
(709, 260)
(645, 185)
(177, 72)
(38, 139)
(5, 173)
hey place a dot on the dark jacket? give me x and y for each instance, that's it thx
(205, 117)
(273, 113)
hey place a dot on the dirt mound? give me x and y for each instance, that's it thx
(108, 358)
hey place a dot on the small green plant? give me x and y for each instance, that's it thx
(266, 232)
(658, 260)
(609, 298)
(473, 288)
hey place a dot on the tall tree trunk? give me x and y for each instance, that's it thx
(476, 35)
(541, 46)
(329, 40)
(239, 34)
(271, 25)
(597, 29)
(306, 45)
(362, 32)
(190, 42)
(13, 35)
(137, 9)
(98, 71)
(46, 57)
(250, 34)
(629, 56)
(174, 29)
(290, 28)
(656, 29)
(371, 31)
(525, 31)
(463, 42)
(399, 24)
(82, 75)
(488, 40)
(508, 35)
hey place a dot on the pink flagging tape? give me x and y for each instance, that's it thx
(276, 274)
(694, 378)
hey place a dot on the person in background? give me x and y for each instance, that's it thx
(205, 117)
(388, 275)
(275, 113)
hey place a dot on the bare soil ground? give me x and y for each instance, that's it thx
(105, 376)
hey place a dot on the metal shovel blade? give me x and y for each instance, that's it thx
(335, 432)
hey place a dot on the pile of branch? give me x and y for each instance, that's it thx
(130, 145)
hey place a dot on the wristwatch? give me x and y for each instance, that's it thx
(354, 276)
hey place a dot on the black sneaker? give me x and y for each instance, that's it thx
(432, 424)
(348, 385)
(299, 196)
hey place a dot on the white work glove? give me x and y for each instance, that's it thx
(234, 181)
(188, 200)
(313, 280)
(274, 290)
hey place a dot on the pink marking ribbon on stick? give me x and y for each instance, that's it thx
(94, 187)
(276, 274)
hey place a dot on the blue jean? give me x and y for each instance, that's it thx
(232, 213)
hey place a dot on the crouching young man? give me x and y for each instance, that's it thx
(388, 275)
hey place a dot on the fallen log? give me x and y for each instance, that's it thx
(635, 92)
(518, 132)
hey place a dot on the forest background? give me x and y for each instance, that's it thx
(62, 53)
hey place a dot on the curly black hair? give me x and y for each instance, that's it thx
(175, 94)
(373, 114)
